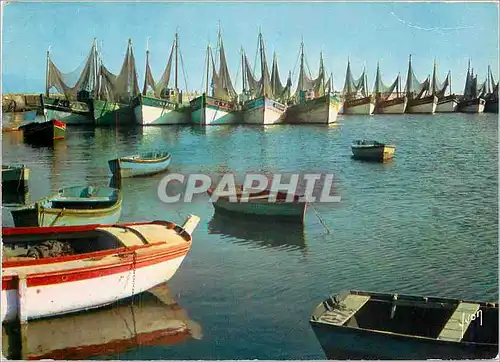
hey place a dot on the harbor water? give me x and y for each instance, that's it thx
(425, 223)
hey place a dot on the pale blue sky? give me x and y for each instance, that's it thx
(365, 32)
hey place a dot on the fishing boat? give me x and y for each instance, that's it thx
(15, 178)
(44, 132)
(141, 164)
(70, 112)
(372, 150)
(113, 104)
(155, 316)
(365, 325)
(58, 270)
(263, 100)
(446, 103)
(259, 204)
(78, 205)
(388, 99)
(314, 100)
(491, 96)
(471, 101)
(421, 98)
(355, 94)
(163, 104)
(221, 106)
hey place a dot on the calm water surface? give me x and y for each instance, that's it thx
(425, 223)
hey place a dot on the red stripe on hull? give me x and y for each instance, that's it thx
(98, 271)
(59, 124)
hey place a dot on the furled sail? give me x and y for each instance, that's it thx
(305, 83)
(221, 80)
(159, 88)
(414, 88)
(121, 88)
(383, 92)
(87, 79)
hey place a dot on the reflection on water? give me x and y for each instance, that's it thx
(259, 231)
(150, 319)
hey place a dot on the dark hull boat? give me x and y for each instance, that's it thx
(368, 325)
(372, 151)
(44, 133)
(491, 105)
(475, 105)
(15, 178)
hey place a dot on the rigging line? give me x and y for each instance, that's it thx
(205, 64)
(184, 73)
(255, 58)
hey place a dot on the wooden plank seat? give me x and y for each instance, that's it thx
(346, 309)
(454, 330)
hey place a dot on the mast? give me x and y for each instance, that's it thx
(398, 89)
(434, 80)
(96, 66)
(208, 65)
(449, 81)
(243, 70)
(144, 89)
(409, 79)
(176, 59)
(47, 73)
(262, 68)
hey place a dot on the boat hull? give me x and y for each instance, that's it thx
(425, 105)
(447, 104)
(345, 343)
(286, 210)
(70, 112)
(321, 110)
(263, 110)
(375, 153)
(491, 105)
(153, 111)
(15, 179)
(85, 288)
(112, 114)
(37, 215)
(392, 106)
(363, 106)
(206, 111)
(44, 133)
(472, 106)
(133, 169)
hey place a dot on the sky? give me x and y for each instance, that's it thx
(364, 32)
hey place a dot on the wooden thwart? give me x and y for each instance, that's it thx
(349, 306)
(454, 330)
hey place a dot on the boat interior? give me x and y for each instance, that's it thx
(258, 194)
(435, 318)
(148, 156)
(17, 247)
(89, 197)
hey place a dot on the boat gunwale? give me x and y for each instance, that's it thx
(401, 297)
(130, 159)
(261, 195)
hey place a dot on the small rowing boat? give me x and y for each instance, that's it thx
(286, 206)
(372, 150)
(44, 132)
(79, 205)
(58, 270)
(141, 164)
(366, 325)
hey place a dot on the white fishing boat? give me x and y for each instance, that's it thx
(163, 105)
(51, 271)
(388, 99)
(421, 98)
(355, 94)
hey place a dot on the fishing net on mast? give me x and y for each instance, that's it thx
(252, 84)
(439, 88)
(160, 87)
(382, 91)
(414, 88)
(70, 84)
(306, 83)
(121, 88)
(280, 92)
(221, 80)
(354, 88)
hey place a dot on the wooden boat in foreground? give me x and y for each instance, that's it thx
(259, 204)
(156, 317)
(391, 326)
(78, 205)
(15, 178)
(141, 164)
(58, 270)
(44, 132)
(372, 150)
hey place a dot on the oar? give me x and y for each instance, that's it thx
(320, 219)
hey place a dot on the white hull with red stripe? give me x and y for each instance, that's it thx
(55, 299)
